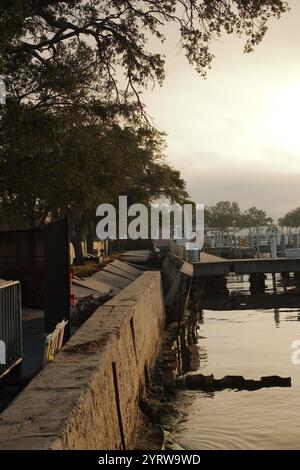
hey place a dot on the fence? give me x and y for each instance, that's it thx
(22, 259)
(10, 326)
(39, 260)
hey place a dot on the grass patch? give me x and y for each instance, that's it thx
(85, 270)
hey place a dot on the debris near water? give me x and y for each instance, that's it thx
(169, 443)
(158, 410)
(238, 382)
(154, 406)
(151, 434)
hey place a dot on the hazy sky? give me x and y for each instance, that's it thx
(236, 135)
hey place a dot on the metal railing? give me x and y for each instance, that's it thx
(10, 326)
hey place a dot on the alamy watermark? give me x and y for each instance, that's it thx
(2, 92)
(296, 354)
(2, 353)
(160, 221)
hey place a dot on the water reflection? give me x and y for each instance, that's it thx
(240, 296)
(252, 343)
(277, 317)
(191, 354)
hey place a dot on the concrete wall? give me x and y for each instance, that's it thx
(88, 397)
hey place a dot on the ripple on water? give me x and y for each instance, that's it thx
(253, 344)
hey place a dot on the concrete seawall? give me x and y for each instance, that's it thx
(88, 397)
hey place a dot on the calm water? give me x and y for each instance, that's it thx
(252, 343)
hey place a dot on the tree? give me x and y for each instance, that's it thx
(74, 70)
(226, 214)
(53, 52)
(223, 214)
(70, 162)
(291, 218)
(254, 217)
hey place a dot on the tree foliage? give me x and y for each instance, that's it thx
(226, 214)
(71, 136)
(223, 214)
(291, 218)
(53, 164)
(254, 217)
(53, 52)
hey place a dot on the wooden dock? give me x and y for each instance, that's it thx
(211, 265)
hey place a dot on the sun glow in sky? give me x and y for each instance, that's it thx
(236, 135)
(282, 118)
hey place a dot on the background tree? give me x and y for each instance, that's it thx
(290, 219)
(223, 214)
(254, 217)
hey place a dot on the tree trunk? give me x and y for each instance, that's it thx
(79, 259)
(90, 238)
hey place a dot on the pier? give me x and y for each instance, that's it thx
(211, 265)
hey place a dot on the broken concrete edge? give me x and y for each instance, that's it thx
(88, 398)
(209, 383)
